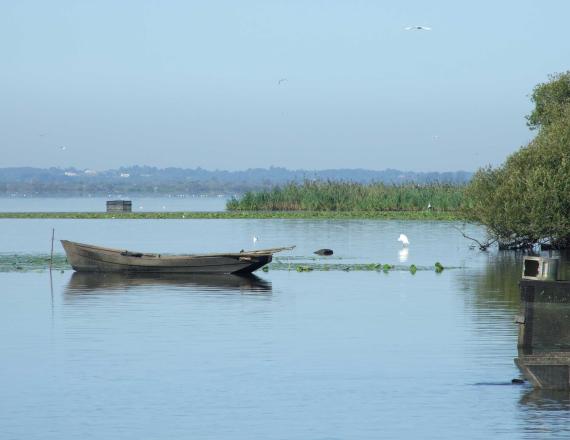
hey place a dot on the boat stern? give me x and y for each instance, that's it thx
(255, 262)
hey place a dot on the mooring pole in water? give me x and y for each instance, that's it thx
(51, 254)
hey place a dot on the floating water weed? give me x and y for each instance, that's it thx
(27, 262)
(304, 268)
(40, 262)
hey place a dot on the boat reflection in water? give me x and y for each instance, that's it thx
(544, 330)
(95, 282)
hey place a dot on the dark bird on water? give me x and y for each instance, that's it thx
(325, 252)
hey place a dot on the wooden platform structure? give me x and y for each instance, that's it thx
(544, 331)
(119, 206)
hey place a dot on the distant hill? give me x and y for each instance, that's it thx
(151, 180)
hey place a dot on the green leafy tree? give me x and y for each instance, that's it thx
(550, 100)
(526, 201)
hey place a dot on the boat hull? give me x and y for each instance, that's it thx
(88, 258)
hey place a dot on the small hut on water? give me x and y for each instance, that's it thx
(119, 206)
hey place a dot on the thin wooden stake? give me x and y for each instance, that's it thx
(51, 254)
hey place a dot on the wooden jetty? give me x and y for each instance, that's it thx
(544, 325)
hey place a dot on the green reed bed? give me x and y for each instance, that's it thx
(352, 197)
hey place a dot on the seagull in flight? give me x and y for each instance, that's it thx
(282, 80)
(418, 28)
(63, 148)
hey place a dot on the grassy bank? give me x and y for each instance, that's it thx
(324, 215)
(352, 197)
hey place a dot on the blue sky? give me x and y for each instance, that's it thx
(182, 83)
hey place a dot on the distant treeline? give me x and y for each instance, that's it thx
(353, 197)
(143, 180)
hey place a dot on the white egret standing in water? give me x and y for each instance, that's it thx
(404, 239)
(403, 253)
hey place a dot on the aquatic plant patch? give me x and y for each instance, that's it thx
(41, 262)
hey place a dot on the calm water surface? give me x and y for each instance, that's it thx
(284, 355)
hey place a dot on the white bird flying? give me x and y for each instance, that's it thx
(418, 28)
(255, 239)
(63, 148)
(282, 80)
(404, 240)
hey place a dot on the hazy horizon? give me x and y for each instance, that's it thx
(244, 169)
(319, 85)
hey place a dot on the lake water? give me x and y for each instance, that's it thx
(286, 355)
(98, 204)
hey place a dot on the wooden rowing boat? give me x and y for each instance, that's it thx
(89, 258)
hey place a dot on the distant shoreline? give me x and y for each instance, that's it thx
(309, 215)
